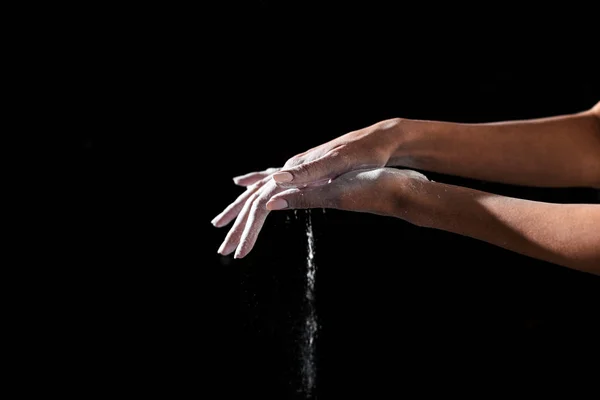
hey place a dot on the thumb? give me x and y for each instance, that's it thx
(327, 167)
(311, 197)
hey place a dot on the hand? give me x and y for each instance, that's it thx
(370, 147)
(249, 211)
(375, 191)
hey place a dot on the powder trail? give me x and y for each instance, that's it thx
(311, 324)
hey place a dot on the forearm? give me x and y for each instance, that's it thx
(564, 234)
(561, 151)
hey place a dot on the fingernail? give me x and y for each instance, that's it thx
(217, 221)
(282, 177)
(277, 204)
(238, 253)
(236, 180)
(225, 250)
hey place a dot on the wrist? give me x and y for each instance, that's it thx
(407, 135)
(409, 197)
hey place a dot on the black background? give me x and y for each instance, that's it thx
(170, 105)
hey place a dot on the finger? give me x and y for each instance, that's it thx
(232, 210)
(311, 197)
(228, 215)
(253, 177)
(234, 235)
(329, 166)
(254, 223)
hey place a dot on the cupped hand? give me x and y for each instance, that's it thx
(377, 191)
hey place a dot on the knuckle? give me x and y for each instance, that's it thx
(260, 203)
(294, 161)
(256, 202)
(251, 199)
(303, 169)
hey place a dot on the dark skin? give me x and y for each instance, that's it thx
(352, 172)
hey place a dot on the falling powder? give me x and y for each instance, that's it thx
(311, 326)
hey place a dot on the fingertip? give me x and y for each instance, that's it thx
(277, 204)
(225, 249)
(218, 222)
(238, 180)
(238, 254)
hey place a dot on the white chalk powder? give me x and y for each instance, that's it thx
(311, 325)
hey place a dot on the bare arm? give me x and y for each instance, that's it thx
(564, 234)
(559, 151)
